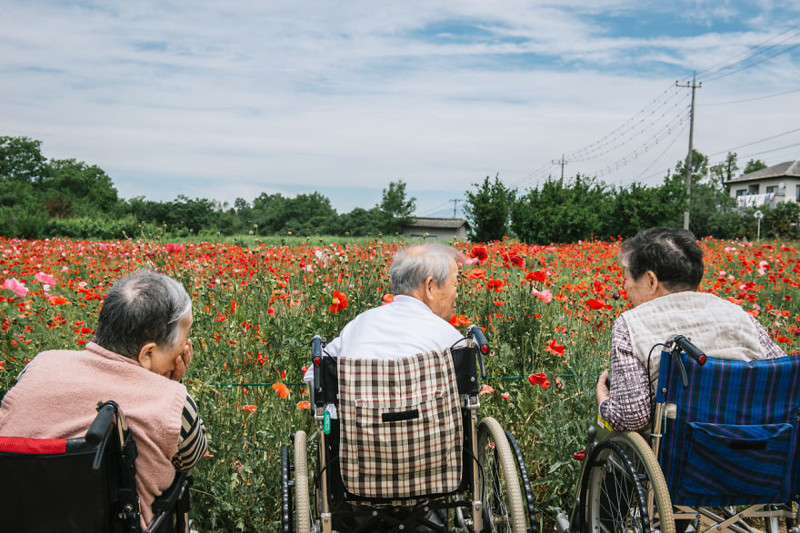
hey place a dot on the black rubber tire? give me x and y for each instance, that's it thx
(499, 486)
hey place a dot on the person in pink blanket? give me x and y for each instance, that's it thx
(139, 356)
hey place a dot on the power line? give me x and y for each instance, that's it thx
(760, 48)
(753, 64)
(755, 142)
(750, 99)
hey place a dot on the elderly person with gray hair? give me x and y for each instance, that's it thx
(425, 285)
(140, 353)
(663, 268)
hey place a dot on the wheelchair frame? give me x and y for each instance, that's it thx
(104, 459)
(632, 463)
(489, 496)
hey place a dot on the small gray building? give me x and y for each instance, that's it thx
(768, 186)
(437, 228)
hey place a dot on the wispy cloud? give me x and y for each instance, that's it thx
(226, 100)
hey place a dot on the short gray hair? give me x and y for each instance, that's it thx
(143, 307)
(413, 265)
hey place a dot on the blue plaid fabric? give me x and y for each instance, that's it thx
(735, 439)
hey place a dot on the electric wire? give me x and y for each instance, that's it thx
(749, 99)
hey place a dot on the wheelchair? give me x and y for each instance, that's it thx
(407, 452)
(84, 485)
(723, 452)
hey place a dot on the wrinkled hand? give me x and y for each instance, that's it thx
(602, 389)
(183, 361)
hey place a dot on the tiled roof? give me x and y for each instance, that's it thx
(434, 222)
(786, 169)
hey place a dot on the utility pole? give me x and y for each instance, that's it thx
(562, 163)
(694, 85)
(455, 205)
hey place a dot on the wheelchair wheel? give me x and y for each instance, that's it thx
(623, 489)
(301, 483)
(522, 470)
(499, 488)
(286, 491)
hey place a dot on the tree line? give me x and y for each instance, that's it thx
(583, 207)
(41, 197)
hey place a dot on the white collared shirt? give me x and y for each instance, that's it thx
(405, 327)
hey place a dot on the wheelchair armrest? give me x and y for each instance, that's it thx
(169, 498)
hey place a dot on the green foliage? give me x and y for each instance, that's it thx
(753, 165)
(488, 210)
(395, 209)
(562, 211)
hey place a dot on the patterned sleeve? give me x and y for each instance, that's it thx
(192, 443)
(628, 408)
(771, 350)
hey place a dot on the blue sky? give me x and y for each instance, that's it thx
(226, 100)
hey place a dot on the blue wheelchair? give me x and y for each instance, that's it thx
(405, 451)
(723, 453)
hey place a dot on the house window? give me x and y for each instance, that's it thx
(752, 189)
(772, 189)
(742, 192)
(797, 194)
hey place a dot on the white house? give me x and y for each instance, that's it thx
(437, 228)
(768, 186)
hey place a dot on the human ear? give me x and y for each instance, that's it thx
(146, 355)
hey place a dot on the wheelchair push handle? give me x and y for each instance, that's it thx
(316, 359)
(481, 343)
(102, 423)
(691, 350)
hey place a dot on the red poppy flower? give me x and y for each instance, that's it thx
(304, 404)
(554, 348)
(596, 304)
(281, 389)
(250, 408)
(480, 253)
(339, 302)
(579, 455)
(539, 379)
(538, 275)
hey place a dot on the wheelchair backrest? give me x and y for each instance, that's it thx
(401, 428)
(66, 485)
(735, 435)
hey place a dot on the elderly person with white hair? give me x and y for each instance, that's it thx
(425, 285)
(140, 354)
(663, 268)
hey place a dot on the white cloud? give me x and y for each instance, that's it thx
(238, 98)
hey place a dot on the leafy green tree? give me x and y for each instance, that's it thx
(638, 207)
(395, 208)
(488, 210)
(358, 222)
(563, 211)
(722, 172)
(73, 188)
(21, 159)
(305, 214)
(754, 165)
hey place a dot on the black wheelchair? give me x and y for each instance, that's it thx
(406, 452)
(723, 453)
(83, 485)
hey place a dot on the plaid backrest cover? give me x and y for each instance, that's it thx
(401, 432)
(735, 439)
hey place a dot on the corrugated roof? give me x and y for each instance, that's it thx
(434, 222)
(788, 169)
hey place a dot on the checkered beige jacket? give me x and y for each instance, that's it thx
(401, 429)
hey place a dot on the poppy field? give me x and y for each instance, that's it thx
(547, 312)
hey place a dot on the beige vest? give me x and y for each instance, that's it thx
(57, 396)
(716, 326)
